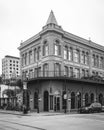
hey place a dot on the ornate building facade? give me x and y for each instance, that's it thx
(62, 71)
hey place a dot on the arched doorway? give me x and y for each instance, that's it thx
(35, 100)
(92, 97)
(46, 101)
(72, 100)
(86, 99)
(101, 98)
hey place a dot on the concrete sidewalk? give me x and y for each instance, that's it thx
(34, 113)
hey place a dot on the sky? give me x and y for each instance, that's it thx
(22, 19)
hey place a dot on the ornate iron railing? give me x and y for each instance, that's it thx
(61, 74)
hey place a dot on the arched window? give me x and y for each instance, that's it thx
(70, 54)
(65, 52)
(45, 48)
(66, 71)
(30, 56)
(45, 70)
(83, 57)
(93, 60)
(39, 53)
(87, 58)
(57, 48)
(76, 55)
(57, 69)
(77, 73)
(72, 100)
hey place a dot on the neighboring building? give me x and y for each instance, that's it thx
(10, 67)
(62, 71)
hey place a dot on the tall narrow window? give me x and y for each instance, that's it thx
(87, 58)
(76, 55)
(83, 57)
(77, 73)
(83, 73)
(57, 48)
(57, 69)
(71, 72)
(30, 57)
(65, 52)
(70, 54)
(31, 73)
(23, 63)
(38, 53)
(93, 60)
(45, 70)
(25, 58)
(39, 71)
(97, 61)
(45, 49)
(66, 71)
(101, 62)
(35, 55)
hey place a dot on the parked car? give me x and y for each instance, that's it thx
(102, 108)
(94, 107)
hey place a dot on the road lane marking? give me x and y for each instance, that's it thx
(23, 125)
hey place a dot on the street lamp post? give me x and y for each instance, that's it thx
(65, 97)
(25, 105)
(38, 102)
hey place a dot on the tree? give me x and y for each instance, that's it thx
(0, 80)
(9, 92)
(19, 83)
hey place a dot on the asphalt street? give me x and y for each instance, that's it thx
(52, 122)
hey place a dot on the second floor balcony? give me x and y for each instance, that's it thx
(58, 75)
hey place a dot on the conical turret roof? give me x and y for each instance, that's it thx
(51, 18)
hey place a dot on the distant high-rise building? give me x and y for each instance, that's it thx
(10, 67)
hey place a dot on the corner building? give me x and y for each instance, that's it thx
(61, 71)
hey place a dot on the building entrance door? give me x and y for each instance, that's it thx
(46, 101)
(56, 103)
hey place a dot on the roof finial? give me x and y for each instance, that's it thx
(89, 39)
(51, 18)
